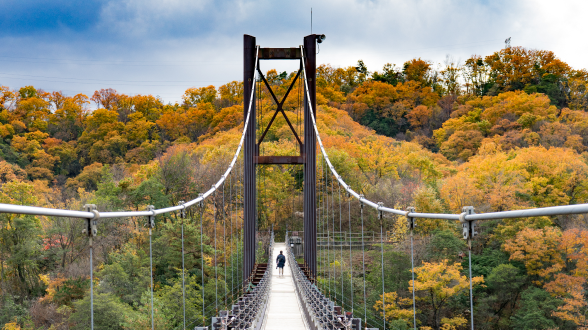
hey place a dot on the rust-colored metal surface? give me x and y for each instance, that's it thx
(279, 159)
(280, 53)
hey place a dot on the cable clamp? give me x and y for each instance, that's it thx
(380, 212)
(411, 220)
(91, 223)
(183, 210)
(151, 218)
(468, 226)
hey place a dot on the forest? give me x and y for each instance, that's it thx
(504, 131)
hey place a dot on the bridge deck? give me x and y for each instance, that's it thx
(284, 311)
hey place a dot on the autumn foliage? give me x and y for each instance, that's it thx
(499, 132)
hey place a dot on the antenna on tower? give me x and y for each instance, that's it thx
(310, 20)
(507, 43)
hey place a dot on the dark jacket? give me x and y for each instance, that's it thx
(281, 260)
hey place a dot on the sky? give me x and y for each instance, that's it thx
(163, 47)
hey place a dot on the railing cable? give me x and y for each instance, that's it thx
(341, 231)
(350, 255)
(151, 225)
(201, 206)
(215, 264)
(412, 224)
(224, 247)
(471, 291)
(363, 263)
(333, 243)
(381, 216)
(232, 238)
(183, 217)
(326, 221)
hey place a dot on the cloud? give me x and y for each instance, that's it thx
(163, 47)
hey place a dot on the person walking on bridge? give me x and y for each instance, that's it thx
(281, 261)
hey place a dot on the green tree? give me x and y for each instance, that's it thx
(171, 295)
(126, 275)
(20, 243)
(536, 308)
(109, 312)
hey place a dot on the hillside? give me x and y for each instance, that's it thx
(504, 131)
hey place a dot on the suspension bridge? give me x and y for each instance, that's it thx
(314, 291)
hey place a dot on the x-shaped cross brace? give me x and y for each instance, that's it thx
(279, 109)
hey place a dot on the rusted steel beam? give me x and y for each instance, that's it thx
(279, 53)
(310, 152)
(249, 188)
(279, 159)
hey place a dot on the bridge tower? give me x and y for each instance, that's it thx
(307, 155)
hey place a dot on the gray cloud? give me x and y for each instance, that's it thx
(163, 47)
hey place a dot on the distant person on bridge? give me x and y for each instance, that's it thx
(281, 261)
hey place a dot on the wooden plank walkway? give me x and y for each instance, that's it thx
(284, 312)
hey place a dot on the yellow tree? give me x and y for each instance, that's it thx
(194, 95)
(438, 282)
(390, 309)
(560, 260)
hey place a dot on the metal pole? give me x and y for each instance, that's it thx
(248, 158)
(310, 154)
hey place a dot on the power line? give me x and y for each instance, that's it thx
(108, 80)
(123, 62)
(94, 83)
